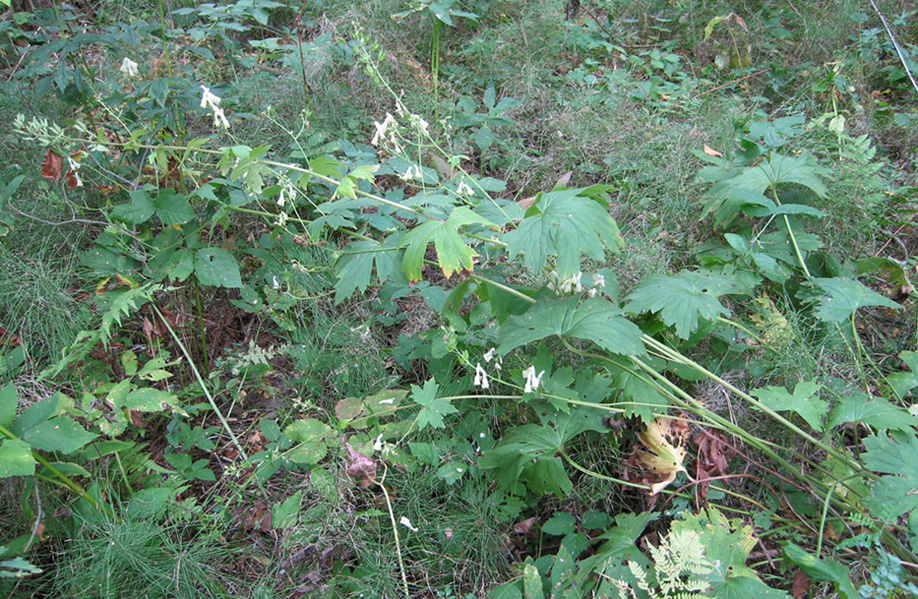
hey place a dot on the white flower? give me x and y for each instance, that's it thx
(208, 98)
(212, 101)
(464, 189)
(599, 280)
(418, 122)
(377, 445)
(481, 377)
(533, 380)
(75, 170)
(382, 128)
(129, 68)
(413, 173)
(566, 285)
(498, 363)
(407, 523)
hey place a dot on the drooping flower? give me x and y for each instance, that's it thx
(533, 380)
(481, 377)
(212, 101)
(129, 68)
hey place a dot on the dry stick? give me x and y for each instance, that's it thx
(735, 81)
(895, 44)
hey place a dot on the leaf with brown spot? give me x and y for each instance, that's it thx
(712, 152)
(52, 166)
(664, 440)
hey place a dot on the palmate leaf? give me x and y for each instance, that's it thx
(564, 224)
(682, 300)
(453, 255)
(732, 195)
(596, 320)
(354, 267)
(875, 411)
(903, 382)
(804, 402)
(842, 297)
(894, 454)
(433, 409)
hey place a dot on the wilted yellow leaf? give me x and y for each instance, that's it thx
(665, 442)
(712, 152)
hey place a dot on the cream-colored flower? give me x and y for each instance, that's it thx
(212, 101)
(481, 377)
(75, 170)
(129, 68)
(533, 380)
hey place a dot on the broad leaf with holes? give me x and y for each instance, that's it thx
(596, 320)
(683, 300)
(564, 224)
(842, 297)
(217, 267)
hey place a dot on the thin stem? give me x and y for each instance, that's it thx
(200, 379)
(398, 545)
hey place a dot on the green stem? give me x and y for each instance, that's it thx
(435, 64)
(594, 474)
(502, 287)
(201, 331)
(201, 383)
(63, 478)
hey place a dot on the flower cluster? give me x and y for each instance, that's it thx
(212, 101)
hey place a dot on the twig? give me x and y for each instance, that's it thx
(735, 81)
(895, 44)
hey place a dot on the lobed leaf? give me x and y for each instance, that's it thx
(597, 320)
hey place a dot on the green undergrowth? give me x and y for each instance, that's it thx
(467, 298)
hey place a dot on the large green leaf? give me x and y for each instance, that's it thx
(904, 382)
(138, 211)
(683, 300)
(61, 434)
(35, 414)
(804, 402)
(894, 454)
(354, 267)
(875, 411)
(310, 434)
(727, 544)
(564, 224)
(172, 208)
(217, 267)
(826, 570)
(596, 320)
(433, 409)
(9, 401)
(843, 296)
(16, 458)
(746, 190)
(453, 255)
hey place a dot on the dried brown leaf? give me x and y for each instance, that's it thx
(361, 468)
(52, 166)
